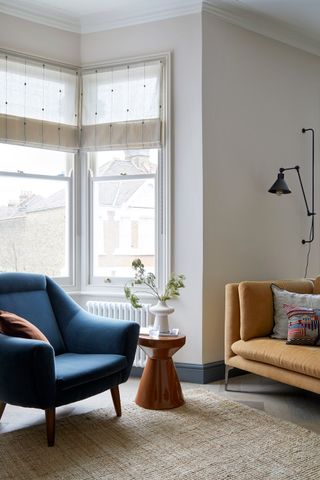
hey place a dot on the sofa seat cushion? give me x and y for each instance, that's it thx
(74, 369)
(297, 358)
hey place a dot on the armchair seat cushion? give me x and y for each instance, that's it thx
(74, 369)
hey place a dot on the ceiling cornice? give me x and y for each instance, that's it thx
(50, 18)
(95, 23)
(232, 11)
(237, 14)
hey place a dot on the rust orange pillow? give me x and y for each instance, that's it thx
(15, 326)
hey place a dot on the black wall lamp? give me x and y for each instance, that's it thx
(280, 187)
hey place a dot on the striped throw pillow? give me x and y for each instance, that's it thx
(303, 325)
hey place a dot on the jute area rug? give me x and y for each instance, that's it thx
(207, 438)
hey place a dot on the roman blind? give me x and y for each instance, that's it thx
(38, 103)
(121, 106)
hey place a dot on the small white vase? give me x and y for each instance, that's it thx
(161, 312)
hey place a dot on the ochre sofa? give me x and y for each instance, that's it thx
(248, 326)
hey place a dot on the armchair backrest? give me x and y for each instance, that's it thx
(25, 294)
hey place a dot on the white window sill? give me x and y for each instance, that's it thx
(108, 294)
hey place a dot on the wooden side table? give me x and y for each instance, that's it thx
(159, 387)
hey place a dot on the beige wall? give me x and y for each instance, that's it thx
(34, 39)
(257, 95)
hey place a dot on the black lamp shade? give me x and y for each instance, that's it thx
(280, 187)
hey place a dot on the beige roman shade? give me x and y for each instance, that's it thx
(38, 103)
(121, 107)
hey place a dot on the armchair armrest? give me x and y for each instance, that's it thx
(87, 333)
(27, 372)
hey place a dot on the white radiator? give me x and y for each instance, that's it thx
(124, 311)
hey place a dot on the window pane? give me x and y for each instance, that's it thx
(34, 226)
(123, 226)
(124, 162)
(14, 158)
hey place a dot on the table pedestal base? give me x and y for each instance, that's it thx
(159, 386)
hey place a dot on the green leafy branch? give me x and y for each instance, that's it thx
(148, 279)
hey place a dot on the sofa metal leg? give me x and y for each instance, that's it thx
(51, 425)
(226, 376)
(2, 407)
(116, 400)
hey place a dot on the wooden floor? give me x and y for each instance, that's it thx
(276, 399)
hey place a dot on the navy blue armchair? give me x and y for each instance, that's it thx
(87, 354)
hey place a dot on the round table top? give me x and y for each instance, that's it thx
(164, 341)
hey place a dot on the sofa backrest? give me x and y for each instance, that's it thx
(316, 286)
(256, 305)
(232, 319)
(25, 294)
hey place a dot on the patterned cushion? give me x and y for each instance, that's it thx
(303, 325)
(281, 297)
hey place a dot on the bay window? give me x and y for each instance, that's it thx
(84, 184)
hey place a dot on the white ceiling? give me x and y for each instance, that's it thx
(293, 21)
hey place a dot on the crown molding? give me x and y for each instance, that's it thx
(98, 23)
(232, 11)
(55, 18)
(239, 15)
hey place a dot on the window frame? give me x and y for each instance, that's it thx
(118, 281)
(65, 281)
(89, 283)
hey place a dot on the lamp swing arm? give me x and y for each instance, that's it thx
(280, 186)
(297, 169)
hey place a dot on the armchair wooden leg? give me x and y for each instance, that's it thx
(116, 400)
(51, 425)
(2, 407)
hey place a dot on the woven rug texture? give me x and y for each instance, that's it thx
(207, 438)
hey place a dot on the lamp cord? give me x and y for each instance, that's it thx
(309, 248)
